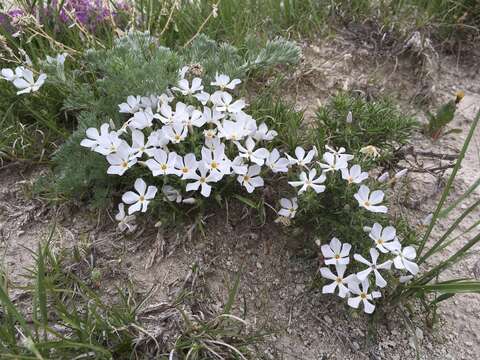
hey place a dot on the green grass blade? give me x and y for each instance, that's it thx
(437, 246)
(40, 291)
(424, 279)
(452, 287)
(449, 183)
(458, 201)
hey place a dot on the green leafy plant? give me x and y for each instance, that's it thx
(445, 114)
(377, 123)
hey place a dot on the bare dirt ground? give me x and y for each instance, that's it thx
(275, 290)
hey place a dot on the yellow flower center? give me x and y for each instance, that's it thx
(214, 165)
(141, 198)
(125, 164)
(185, 170)
(164, 167)
(363, 295)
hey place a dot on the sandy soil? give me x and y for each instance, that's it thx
(276, 279)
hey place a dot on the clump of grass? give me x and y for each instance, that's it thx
(69, 317)
(350, 121)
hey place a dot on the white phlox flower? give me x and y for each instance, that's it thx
(332, 162)
(27, 83)
(223, 82)
(289, 207)
(385, 239)
(140, 199)
(141, 119)
(156, 139)
(307, 182)
(202, 179)
(11, 75)
(251, 180)
(248, 151)
(223, 103)
(354, 175)
(185, 88)
(186, 165)
(216, 161)
(404, 259)
(131, 106)
(212, 116)
(121, 160)
(276, 163)
(176, 132)
(238, 166)
(231, 130)
(139, 147)
(370, 201)
(94, 137)
(340, 153)
(163, 163)
(338, 280)
(262, 133)
(336, 253)
(373, 267)
(302, 159)
(362, 296)
(125, 222)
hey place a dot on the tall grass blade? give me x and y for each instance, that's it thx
(449, 183)
(436, 247)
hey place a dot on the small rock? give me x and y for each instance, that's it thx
(356, 346)
(328, 319)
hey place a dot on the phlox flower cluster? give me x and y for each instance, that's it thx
(355, 286)
(189, 139)
(386, 252)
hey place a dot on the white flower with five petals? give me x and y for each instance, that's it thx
(223, 82)
(336, 253)
(307, 182)
(27, 84)
(185, 89)
(202, 179)
(247, 151)
(223, 103)
(362, 296)
(121, 160)
(163, 163)
(370, 201)
(302, 159)
(289, 207)
(404, 259)
(276, 163)
(139, 200)
(251, 180)
(384, 238)
(354, 175)
(338, 280)
(373, 267)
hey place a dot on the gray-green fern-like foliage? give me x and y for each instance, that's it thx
(138, 65)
